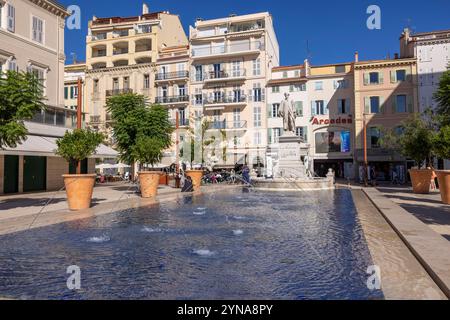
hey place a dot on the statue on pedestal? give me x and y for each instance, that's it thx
(288, 113)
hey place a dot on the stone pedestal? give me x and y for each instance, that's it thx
(289, 155)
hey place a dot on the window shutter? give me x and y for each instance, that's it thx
(394, 104)
(347, 106)
(291, 88)
(263, 96)
(326, 107)
(408, 75)
(250, 95)
(382, 106)
(366, 79)
(339, 104)
(409, 101)
(269, 110)
(299, 108)
(313, 108)
(269, 135)
(367, 105)
(381, 77)
(393, 76)
(335, 84)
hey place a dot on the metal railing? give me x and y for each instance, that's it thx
(232, 48)
(172, 75)
(224, 74)
(226, 99)
(181, 122)
(172, 99)
(117, 92)
(224, 124)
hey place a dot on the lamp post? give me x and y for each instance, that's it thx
(79, 114)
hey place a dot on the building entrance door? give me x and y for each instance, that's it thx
(34, 173)
(11, 177)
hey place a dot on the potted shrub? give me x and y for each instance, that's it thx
(148, 151)
(416, 143)
(442, 150)
(77, 146)
(141, 133)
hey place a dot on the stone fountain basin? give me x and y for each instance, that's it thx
(291, 184)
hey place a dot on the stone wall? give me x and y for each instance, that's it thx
(56, 167)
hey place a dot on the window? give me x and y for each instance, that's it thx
(11, 18)
(198, 73)
(400, 104)
(333, 141)
(95, 85)
(400, 75)
(299, 108)
(318, 107)
(374, 136)
(297, 73)
(38, 30)
(198, 97)
(126, 83)
(236, 68)
(276, 89)
(285, 74)
(116, 84)
(318, 85)
(258, 93)
(373, 78)
(39, 74)
(297, 87)
(66, 93)
(236, 118)
(257, 120)
(146, 81)
(302, 133)
(274, 112)
(343, 106)
(340, 69)
(257, 67)
(257, 138)
(340, 84)
(374, 104)
(182, 90)
(12, 65)
(275, 135)
(75, 92)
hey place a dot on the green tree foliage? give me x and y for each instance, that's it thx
(78, 145)
(416, 142)
(133, 120)
(21, 97)
(148, 150)
(442, 97)
(441, 143)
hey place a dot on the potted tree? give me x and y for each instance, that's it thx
(148, 151)
(442, 138)
(416, 143)
(77, 146)
(141, 133)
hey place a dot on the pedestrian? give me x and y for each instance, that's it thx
(246, 174)
(373, 175)
(188, 185)
(433, 180)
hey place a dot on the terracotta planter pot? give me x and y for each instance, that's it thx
(421, 180)
(196, 176)
(79, 189)
(149, 182)
(444, 185)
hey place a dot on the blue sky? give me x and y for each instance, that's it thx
(333, 29)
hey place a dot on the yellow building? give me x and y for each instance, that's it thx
(386, 94)
(120, 57)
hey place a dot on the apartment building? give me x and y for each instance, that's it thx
(386, 94)
(72, 73)
(330, 93)
(231, 61)
(172, 87)
(284, 80)
(121, 55)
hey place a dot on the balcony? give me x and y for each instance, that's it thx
(182, 122)
(227, 125)
(116, 92)
(172, 99)
(237, 49)
(172, 75)
(224, 100)
(233, 28)
(222, 75)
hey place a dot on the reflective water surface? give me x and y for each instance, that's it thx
(231, 245)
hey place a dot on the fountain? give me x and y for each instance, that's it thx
(291, 173)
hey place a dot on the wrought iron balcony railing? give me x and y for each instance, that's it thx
(224, 74)
(172, 99)
(226, 100)
(172, 75)
(181, 122)
(116, 92)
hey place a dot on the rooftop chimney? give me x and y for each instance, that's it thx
(145, 9)
(396, 56)
(356, 56)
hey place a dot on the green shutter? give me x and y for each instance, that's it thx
(393, 76)
(367, 105)
(347, 106)
(326, 107)
(313, 108)
(381, 77)
(409, 102)
(299, 108)
(366, 79)
(408, 75)
(269, 135)
(382, 106)
(269, 111)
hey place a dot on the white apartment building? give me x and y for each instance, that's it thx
(284, 80)
(72, 73)
(121, 55)
(231, 61)
(32, 40)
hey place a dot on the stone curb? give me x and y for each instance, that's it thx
(429, 248)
